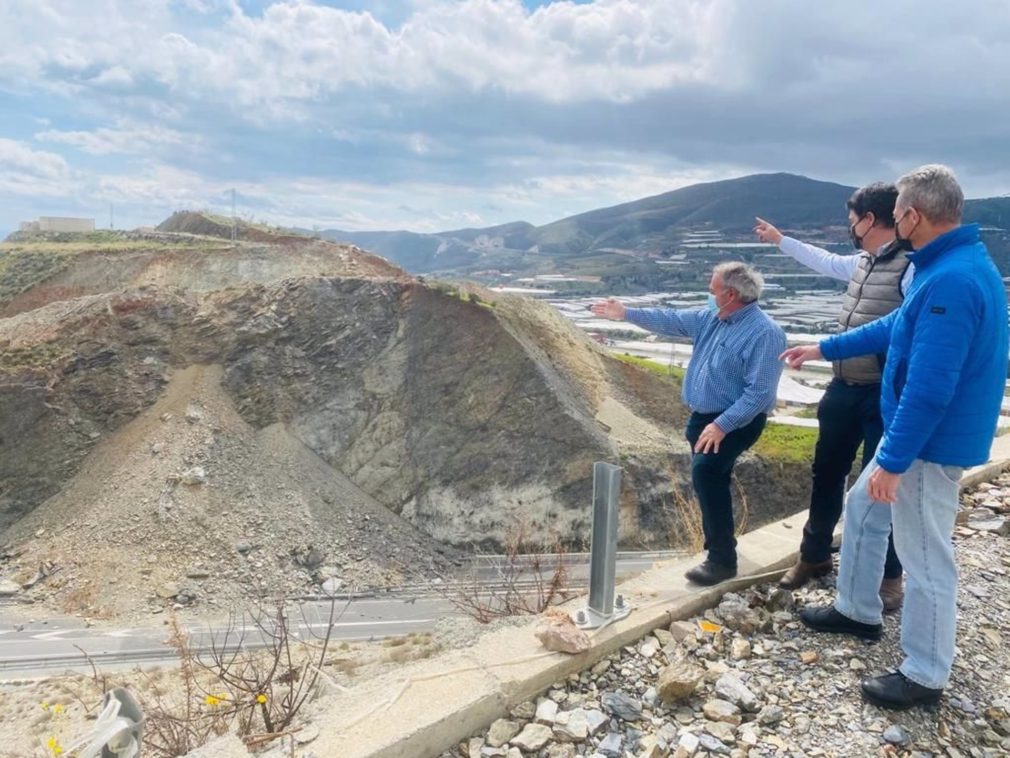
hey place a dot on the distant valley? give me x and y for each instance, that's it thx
(668, 241)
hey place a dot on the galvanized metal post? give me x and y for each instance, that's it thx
(603, 606)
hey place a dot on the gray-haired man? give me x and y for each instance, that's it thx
(730, 387)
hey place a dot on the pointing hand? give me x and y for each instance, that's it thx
(797, 356)
(766, 232)
(610, 308)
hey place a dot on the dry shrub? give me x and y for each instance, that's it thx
(529, 577)
(253, 683)
(683, 516)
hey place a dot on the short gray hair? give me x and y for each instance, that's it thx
(933, 191)
(737, 275)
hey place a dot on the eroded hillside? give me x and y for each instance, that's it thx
(260, 417)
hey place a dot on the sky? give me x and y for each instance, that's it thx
(431, 115)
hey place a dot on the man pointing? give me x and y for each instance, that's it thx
(941, 391)
(730, 386)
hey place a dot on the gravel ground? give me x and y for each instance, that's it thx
(747, 679)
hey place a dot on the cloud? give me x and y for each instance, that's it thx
(416, 113)
(33, 172)
(127, 138)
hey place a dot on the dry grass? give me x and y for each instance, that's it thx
(413, 647)
(683, 515)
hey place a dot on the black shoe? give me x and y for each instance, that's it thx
(710, 573)
(898, 692)
(825, 618)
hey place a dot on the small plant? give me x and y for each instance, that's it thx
(786, 444)
(529, 577)
(254, 685)
(55, 728)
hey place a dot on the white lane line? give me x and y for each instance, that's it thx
(51, 635)
(323, 624)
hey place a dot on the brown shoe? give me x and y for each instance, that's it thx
(892, 594)
(803, 572)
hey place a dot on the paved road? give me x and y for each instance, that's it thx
(52, 645)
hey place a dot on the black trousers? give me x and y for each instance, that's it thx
(848, 415)
(710, 476)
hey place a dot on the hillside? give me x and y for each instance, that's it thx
(250, 418)
(730, 206)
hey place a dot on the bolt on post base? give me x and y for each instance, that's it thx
(587, 618)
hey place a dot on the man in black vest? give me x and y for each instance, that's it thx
(849, 412)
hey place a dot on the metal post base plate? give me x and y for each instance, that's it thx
(587, 618)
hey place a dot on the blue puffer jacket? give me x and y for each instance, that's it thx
(946, 356)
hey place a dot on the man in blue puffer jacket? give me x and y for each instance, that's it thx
(941, 391)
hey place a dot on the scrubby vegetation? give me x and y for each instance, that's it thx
(667, 371)
(782, 442)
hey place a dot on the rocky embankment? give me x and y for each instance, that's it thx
(748, 679)
(330, 385)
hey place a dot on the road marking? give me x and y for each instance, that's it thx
(50, 635)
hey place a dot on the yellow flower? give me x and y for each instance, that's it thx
(54, 746)
(57, 709)
(212, 700)
(261, 698)
(45, 705)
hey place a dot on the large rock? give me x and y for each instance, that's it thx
(678, 680)
(730, 687)
(595, 721)
(737, 614)
(610, 746)
(9, 588)
(167, 590)
(571, 726)
(547, 710)
(194, 475)
(532, 738)
(501, 732)
(687, 745)
(622, 706)
(562, 636)
(989, 523)
(722, 710)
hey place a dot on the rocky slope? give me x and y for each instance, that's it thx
(337, 405)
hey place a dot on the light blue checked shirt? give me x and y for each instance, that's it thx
(734, 368)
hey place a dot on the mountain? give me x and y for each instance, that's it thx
(601, 239)
(652, 223)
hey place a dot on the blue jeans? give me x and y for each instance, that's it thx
(923, 519)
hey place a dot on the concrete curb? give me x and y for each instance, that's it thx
(429, 706)
(984, 473)
(448, 699)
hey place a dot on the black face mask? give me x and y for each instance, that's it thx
(900, 244)
(857, 240)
